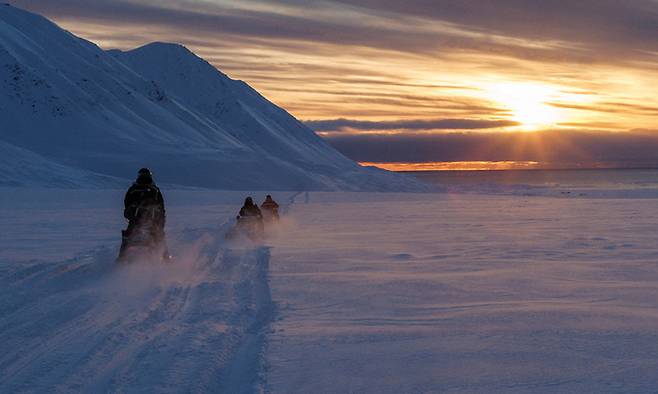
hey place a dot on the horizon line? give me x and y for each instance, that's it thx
(466, 166)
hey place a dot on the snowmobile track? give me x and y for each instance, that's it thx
(84, 325)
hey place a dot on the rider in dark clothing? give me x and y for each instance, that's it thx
(270, 208)
(251, 218)
(250, 209)
(144, 206)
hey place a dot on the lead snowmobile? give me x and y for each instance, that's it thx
(143, 242)
(249, 222)
(144, 239)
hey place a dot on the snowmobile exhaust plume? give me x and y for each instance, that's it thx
(248, 227)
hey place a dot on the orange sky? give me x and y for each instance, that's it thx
(377, 67)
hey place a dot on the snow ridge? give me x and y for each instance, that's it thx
(111, 112)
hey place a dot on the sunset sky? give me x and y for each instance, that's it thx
(545, 83)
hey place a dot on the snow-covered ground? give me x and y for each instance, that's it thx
(71, 320)
(353, 293)
(441, 293)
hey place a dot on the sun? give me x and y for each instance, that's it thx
(527, 102)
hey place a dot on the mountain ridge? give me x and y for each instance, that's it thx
(68, 101)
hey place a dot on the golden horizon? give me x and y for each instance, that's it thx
(455, 166)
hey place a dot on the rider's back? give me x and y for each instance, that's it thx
(250, 210)
(269, 205)
(144, 201)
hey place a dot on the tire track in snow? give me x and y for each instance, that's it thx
(200, 324)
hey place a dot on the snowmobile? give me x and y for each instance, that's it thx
(142, 243)
(249, 226)
(144, 239)
(270, 210)
(270, 216)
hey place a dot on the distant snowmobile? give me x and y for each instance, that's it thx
(144, 239)
(249, 222)
(270, 209)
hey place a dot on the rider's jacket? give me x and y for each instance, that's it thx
(144, 202)
(250, 210)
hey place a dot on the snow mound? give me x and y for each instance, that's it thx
(19, 167)
(160, 106)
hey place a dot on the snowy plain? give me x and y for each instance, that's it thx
(352, 293)
(73, 321)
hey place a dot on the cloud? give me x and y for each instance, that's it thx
(387, 59)
(418, 124)
(593, 25)
(612, 107)
(584, 30)
(637, 148)
(212, 20)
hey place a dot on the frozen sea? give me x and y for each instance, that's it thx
(588, 182)
(544, 284)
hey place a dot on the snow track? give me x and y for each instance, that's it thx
(85, 324)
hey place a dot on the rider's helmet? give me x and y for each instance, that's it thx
(144, 176)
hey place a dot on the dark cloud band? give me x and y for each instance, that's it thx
(563, 148)
(435, 124)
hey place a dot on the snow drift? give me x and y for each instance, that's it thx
(108, 113)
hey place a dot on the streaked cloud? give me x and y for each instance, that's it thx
(416, 65)
(415, 124)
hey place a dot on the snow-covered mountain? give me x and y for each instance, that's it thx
(88, 114)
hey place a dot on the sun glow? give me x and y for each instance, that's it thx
(528, 103)
(455, 166)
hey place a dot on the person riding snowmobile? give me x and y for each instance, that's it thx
(251, 218)
(270, 209)
(250, 209)
(144, 208)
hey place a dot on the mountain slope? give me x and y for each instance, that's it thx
(68, 101)
(20, 167)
